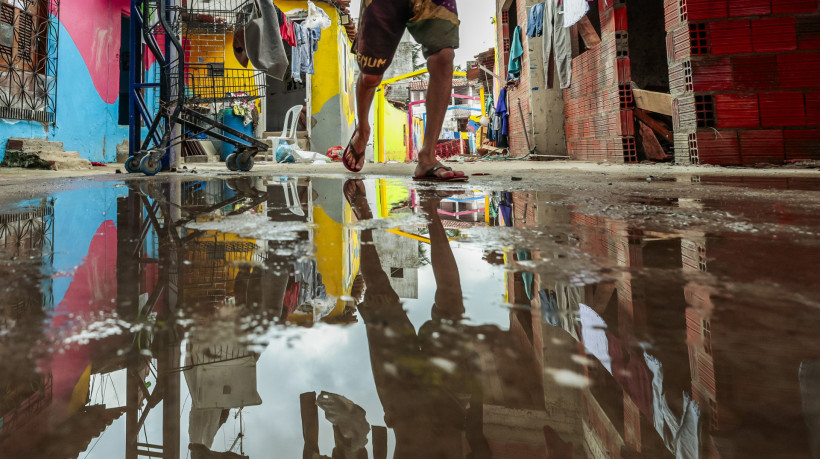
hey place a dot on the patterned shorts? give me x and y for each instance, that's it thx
(432, 23)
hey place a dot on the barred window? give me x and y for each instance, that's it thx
(29, 32)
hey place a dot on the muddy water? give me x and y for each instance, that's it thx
(276, 317)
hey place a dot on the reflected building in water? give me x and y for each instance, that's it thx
(621, 340)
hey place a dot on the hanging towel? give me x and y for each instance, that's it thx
(574, 10)
(516, 51)
(535, 21)
(263, 42)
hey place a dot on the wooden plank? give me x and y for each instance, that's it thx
(651, 146)
(655, 125)
(651, 101)
(588, 33)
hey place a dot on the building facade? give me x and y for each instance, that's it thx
(60, 74)
(730, 82)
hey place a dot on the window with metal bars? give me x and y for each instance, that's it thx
(29, 33)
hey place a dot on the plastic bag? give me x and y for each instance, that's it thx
(284, 154)
(316, 17)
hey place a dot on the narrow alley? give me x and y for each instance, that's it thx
(613, 254)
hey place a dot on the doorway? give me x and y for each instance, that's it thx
(281, 96)
(125, 59)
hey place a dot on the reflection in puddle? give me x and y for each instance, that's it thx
(313, 317)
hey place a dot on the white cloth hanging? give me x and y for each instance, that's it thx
(574, 10)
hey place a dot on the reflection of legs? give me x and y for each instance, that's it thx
(449, 298)
(401, 370)
(376, 280)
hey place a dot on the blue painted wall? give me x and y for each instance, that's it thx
(85, 123)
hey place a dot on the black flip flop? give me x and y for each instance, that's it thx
(430, 176)
(358, 156)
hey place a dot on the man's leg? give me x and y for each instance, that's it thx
(365, 92)
(440, 67)
(381, 26)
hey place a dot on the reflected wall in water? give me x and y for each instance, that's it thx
(142, 318)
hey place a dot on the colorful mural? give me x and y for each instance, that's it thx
(88, 83)
(332, 95)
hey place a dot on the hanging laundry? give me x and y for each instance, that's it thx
(535, 21)
(503, 117)
(501, 112)
(574, 10)
(308, 46)
(296, 54)
(516, 52)
(286, 29)
(556, 44)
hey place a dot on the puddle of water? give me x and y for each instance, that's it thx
(232, 318)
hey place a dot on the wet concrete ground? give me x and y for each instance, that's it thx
(215, 315)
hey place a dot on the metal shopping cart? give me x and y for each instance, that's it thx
(179, 83)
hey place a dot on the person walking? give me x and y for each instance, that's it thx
(433, 24)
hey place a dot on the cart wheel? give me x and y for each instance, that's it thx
(150, 166)
(132, 165)
(230, 161)
(244, 161)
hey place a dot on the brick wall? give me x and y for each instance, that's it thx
(745, 80)
(518, 130)
(208, 47)
(598, 105)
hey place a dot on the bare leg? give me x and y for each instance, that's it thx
(365, 91)
(440, 66)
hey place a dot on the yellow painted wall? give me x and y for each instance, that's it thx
(395, 131)
(332, 62)
(337, 255)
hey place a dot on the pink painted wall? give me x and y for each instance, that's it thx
(94, 25)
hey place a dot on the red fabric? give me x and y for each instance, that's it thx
(286, 29)
(291, 297)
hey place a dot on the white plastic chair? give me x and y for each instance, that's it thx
(289, 132)
(292, 197)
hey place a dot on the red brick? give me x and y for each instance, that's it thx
(755, 72)
(712, 74)
(782, 109)
(813, 108)
(798, 70)
(718, 147)
(671, 13)
(739, 8)
(793, 6)
(620, 19)
(730, 37)
(802, 144)
(706, 9)
(762, 146)
(808, 32)
(737, 111)
(774, 34)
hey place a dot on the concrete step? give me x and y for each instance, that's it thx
(60, 161)
(34, 145)
(66, 161)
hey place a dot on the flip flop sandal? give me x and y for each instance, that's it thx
(358, 156)
(352, 193)
(430, 175)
